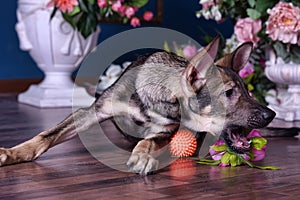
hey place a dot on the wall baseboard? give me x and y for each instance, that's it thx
(16, 85)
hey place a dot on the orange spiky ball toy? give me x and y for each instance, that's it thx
(183, 144)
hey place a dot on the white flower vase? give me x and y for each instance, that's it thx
(57, 49)
(285, 101)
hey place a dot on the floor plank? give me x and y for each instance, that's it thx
(69, 171)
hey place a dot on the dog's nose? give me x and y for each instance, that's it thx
(268, 115)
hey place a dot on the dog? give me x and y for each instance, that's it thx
(157, 94)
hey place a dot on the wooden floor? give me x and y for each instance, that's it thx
(69, 171)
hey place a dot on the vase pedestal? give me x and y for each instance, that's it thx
(53, 97)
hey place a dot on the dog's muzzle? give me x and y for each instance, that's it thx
(260, 118)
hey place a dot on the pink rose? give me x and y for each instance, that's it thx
(148, 16)
(189, 51)
(102, 3)
(129, 12)
(247, 70)
(246, 30)
(116, 6)
(135, 22)
(284, 23)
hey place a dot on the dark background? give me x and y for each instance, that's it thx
(177, 15)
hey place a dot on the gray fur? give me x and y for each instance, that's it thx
(155, 96)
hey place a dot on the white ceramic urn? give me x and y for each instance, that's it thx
(57, 50)
(286, 100)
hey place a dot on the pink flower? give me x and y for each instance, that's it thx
(206, 4)
(284, 23)
(246, 30)
(135, 22)
(223, 165)
(102, 3)
(189, 51)
(254, 133)
(214, 154)
(64, 5)
(129, 12)
(258, 154)
(247, 70)
(148, 16)
(116, 6)
(122, 10)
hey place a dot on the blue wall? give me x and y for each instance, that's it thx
(178, 15)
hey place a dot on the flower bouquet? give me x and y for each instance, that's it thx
(223, 156)
(271, 25)
(85, 15)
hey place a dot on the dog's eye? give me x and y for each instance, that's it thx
(229, 92)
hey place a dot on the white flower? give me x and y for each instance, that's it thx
(111, 75)
(231, 44)
(215, 13)
(206, 14)
(206, 1)
(126, 64)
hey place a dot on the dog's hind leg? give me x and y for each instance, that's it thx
(31, 149)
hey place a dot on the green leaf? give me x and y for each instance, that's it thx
(233, 160)
(267, 167)
(209, 162)
(87, 24)
(258, 142)
(137, 3)
(247, 162)
(225, 159)
(239, 160)
(69, 19)
(83, 6)
(75, 11)
(254, 14)
(250, 87)
(219, 148)
(91, 1)
(264, 5)
(166, 47)
(251, 3)
(125, 20)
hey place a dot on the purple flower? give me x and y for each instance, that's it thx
(254, 133)
(223, 165)
(258, 154)
(258, 144)
(189, 51)
(247, 70)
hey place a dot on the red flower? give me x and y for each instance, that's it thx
(64, 5)
(148, 16)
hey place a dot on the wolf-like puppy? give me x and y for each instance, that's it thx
(157, 94)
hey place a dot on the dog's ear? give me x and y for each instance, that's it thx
(238, 58)
(193, 77)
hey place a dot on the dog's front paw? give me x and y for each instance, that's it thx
(142, 163)
(4, 157)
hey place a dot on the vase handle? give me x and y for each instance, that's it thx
(25, 44)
